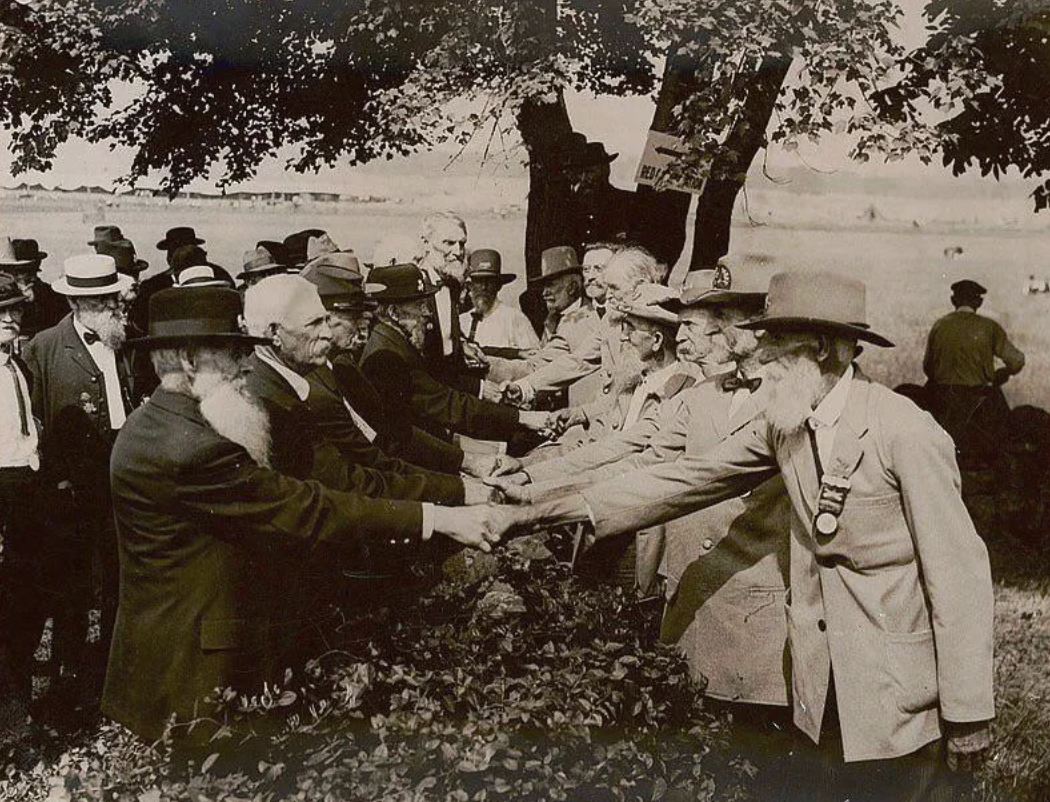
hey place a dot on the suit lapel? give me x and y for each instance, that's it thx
(76, 350)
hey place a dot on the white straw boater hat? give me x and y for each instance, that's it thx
(91, 274)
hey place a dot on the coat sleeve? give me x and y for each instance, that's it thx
(423, 449)
(670, 490)
(954, 565)
(241, 502)
(571, 367)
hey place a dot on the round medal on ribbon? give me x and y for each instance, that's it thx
(827, 524)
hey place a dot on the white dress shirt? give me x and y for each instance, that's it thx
(651, 385)
(503, 327)
(105, 359)
(17, 450)
(443, 301)
(824, 421)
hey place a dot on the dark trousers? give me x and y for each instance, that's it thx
(975, 417)
(821, 774)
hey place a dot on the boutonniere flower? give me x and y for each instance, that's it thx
(87, 404)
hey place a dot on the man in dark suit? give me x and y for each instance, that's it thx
(83, 389)
(211, 537)
(351, 315)
(314, 433)
(173, 240)
(392, 360)
(21, 259)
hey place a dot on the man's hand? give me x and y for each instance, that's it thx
(479, 465)
(475, 492)
(511, 393)
(968, 745)
(512, 489)
(490, 391)
(505, 465)
(565, 419)
(536, 421)
(477, 526)
(473, 355)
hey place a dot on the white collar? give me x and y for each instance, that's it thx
(300, 385)
(965, 308)
(830, 409)
(718, 371)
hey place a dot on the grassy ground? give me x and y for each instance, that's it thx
(907, 274)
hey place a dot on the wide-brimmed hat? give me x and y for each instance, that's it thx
(320, 245)
(648, 303)
(589, 155)
(396, 283)
(195, 314)
(296, 246)
(123, 253)
(27, 251)
(486, 263)
(339, 282)
(718, 287)
(8, 256)
(557, 261)
(206, 275)
(180, 235)
(817, 301)
(10, 295)
(91, 274)
(105, 234)
(262, 261)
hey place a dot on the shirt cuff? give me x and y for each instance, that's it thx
(428, 521)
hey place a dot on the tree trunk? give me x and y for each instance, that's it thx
(714, 211)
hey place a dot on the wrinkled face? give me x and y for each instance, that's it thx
(594, 263)
(620, 282)
(304, 338)
(696, 334)
(10, 324)
(561, 292)
(483, 292)
(106, 315)
(644, 341)
(350, 329)
(413, 317)
(447, 248)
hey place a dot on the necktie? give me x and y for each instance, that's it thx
(734, 383)
(90, 337)
(811, 429)
(23, 416)
(455, 332)
(600, 311)
(475, 319)
(550, 325)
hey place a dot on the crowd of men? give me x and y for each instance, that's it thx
(202, 460)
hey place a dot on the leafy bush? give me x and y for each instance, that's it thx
(509, 680)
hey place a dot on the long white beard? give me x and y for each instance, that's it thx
(628, 374)
(109, 326)
(233, 415)
(795, 387)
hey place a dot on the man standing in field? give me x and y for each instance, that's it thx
(965, 386)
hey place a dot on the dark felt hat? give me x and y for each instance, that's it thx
(296, 246)
(105, 234)
(817, 301)
(123, 253)
(968, 287)
(395, 283)
(183, 315)
(27, 250)
(180, 235)
(9, 256)
(589, 155)
(487, 263)
(10, 295)
(557, 261)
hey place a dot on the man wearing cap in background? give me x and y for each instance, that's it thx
(128, 264)
(83, 389)
(963, 382)
(314, 434)
(498, 328)
(212, 540)
(23, 595)
(174, 239)
(21, 259)
(598, 211)
(891, 605)
(393, 361)
(104, 234)
(350, 316)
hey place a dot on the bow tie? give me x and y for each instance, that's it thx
(734, 383)
(90, 338)
(600, 311)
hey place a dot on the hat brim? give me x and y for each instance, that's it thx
(345, 305)
(578, 269)
(502, 278)
(164, 245)
(168, 340)
(21, 262)
(584, 163)
(122, 284)
(715, 298)
(816, 324)
(417, 296)
(4, 304)
(139, 266)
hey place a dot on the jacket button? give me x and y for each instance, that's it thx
(822, 625)
(708, 543)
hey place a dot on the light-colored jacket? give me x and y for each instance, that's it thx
(898, 602)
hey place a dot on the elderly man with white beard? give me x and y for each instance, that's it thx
(891, 608)
(83, 389)
(212, 540)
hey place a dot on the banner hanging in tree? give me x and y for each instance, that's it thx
(660, 150)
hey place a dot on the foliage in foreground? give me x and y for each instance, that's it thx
(509, 681)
